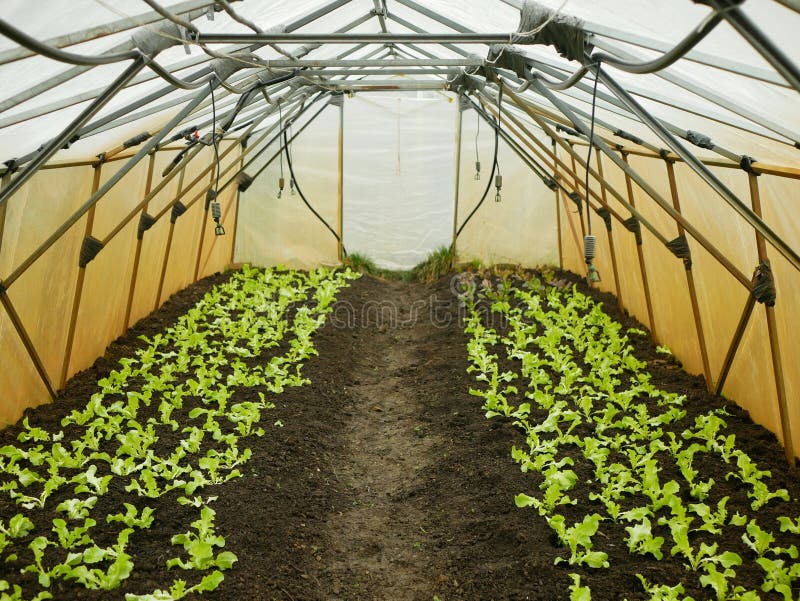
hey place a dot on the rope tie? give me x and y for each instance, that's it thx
(764, 284)
(89, 249)
(145, 223)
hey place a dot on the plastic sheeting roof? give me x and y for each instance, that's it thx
(762, 106)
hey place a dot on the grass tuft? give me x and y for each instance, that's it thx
(437, 264)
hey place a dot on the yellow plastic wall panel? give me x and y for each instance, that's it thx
(216, 254)
(20, 385)
(282, 231)
(571, 236)
(521, 229)
(183, 255)
(39, 208)
(778, 199)
(722, 298)
(630, 274)
(167, 194)
(154, 241)
(105, 294)
(669, 290)
(43, 296)
(154, 244)
(121, 199)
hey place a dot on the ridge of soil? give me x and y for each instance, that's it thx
(385, 481)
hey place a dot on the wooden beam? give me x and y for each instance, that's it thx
(698, 321)
(138, 252)
(168, 249)
(78, 293)
(640, 253)
(556, 177)
(772, 329)
(612, 250)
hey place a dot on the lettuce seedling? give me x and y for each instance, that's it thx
(74, 537)
(757, 539)
(200, 546)
(663, 592)
(178, 589)
(578, 538)
(641, 540)
(132, 519)
(578, 592)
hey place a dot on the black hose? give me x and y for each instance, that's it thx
(488, 184)
(23, 39)
(300, 192)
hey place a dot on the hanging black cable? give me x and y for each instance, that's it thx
(300, 192)
(589, 241)
(591, 146)
(216, 211)
(488, 184)
(498, 179)
(477, 154)
(281, 180)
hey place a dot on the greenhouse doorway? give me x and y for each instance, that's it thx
(399, 172)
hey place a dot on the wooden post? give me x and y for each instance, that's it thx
(340, 188)
(138, 252)
(772, 328)
(609, 232)
(577, 188)
(76, 300)
(170, 235)
(3, 207)
(690, 229)
(238, 206)
(459, 125)
(640, 252)
(556, 177)
(698, 322)
(204, 226)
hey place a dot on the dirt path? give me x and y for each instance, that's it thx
(381, 539)
(428, 483)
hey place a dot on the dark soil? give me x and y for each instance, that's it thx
(385, 481)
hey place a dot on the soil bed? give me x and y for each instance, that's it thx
(385, 480)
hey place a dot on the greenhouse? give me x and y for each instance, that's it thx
(399, 300)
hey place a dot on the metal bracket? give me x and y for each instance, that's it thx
(145, 223)
(89, 249)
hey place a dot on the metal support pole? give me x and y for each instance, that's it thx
(609, 232)
(457, 191)
(556, 178)
(168, 248)
(78, 294)
(690, 229)
(640, 253)
(774, 343)
(353, 38)
(65, 137)
(340, 188)
(102, 191)
(762, 44)
(698, 322)
(697, 166)
(138, 252)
